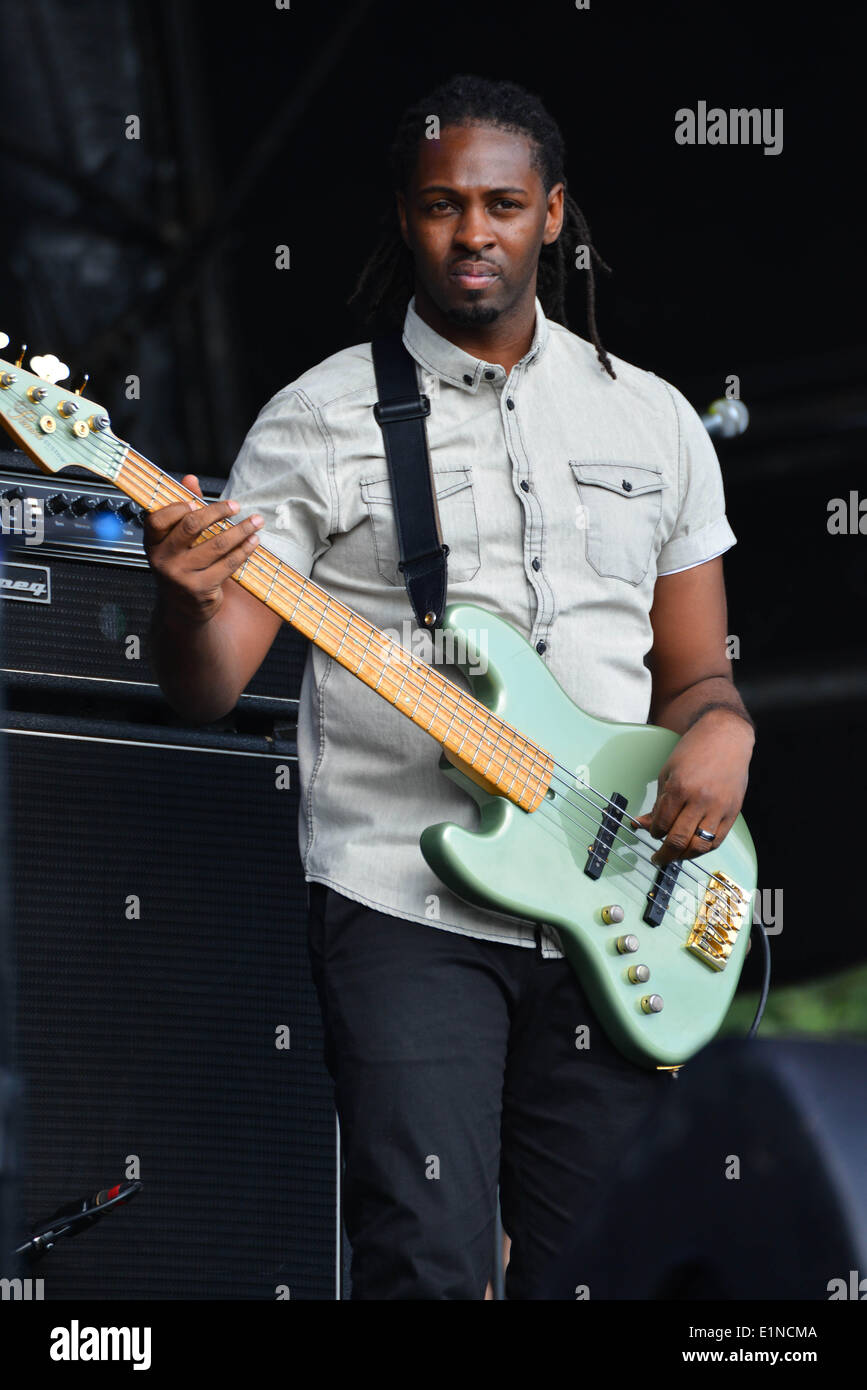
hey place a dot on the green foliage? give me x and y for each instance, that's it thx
(833, 1006)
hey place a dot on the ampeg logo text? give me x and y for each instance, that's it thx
(32, 583)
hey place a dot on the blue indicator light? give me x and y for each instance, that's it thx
(108, 526)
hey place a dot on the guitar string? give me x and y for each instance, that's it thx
(456, 697)
(127, 459)
(622, 856)
(687, 875)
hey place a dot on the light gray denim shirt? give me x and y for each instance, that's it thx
(562, 494)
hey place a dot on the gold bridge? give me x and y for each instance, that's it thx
(718, 921)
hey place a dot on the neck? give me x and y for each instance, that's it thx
(503, 342)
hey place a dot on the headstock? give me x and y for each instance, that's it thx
(57, 427)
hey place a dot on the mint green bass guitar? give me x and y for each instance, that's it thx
(658, 951)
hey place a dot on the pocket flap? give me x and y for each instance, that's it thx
(627, 479)
(446, 482)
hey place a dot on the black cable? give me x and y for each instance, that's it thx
(766, 977)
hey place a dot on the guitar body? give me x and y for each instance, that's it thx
(532, 864)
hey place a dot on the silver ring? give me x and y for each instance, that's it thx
(705, 834)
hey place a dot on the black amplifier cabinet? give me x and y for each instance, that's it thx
(76, 601)
(168, 1026)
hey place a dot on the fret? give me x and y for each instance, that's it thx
(534, 775)
(315, 634)
(495, 738)
(514, 778)
(418, 701)
(519, 762)
(273, 582)
(479, 736)
(291, 618)
(540, 767)
(458, 710)
(364, 650)
(543, 779)
(490, 760)
(436, 707)
(384, 660)
(345, 635)
(464, 739)
(409, 668)
(537, 776)
(523, 790)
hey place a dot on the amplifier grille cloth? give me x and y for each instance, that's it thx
(156, 1037)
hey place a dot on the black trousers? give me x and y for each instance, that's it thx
(459, 1064)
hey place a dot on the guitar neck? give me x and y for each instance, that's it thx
(502, 760)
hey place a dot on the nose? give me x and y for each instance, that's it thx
(474, 231)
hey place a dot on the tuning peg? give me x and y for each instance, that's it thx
(4, 340)
(20, 359)
(84, 380)
(49, 368)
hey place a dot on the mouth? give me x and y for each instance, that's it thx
(471, 275)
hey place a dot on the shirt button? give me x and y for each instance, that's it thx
(510, 403)
(541, 646)
(489, 376)
(468, 380)
(537, 563)
(525, 485)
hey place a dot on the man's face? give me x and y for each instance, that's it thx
(474, 216)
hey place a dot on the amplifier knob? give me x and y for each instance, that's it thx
(13, 494)
(82, 505)
(58, 503)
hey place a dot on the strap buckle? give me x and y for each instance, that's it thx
(442, 550)
(401, 408)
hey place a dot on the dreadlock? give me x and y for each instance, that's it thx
(386, 282)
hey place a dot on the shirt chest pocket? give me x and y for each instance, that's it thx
(621, 508)
(458, 523)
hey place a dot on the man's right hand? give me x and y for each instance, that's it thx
(191, 571)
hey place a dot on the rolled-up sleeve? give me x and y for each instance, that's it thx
(283, 471)
(701, 531)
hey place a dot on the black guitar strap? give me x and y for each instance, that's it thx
(400, 412)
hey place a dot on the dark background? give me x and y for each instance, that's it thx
(262, 127)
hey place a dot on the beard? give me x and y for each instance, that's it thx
(471, 315)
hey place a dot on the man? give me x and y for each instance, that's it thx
(450, 1031)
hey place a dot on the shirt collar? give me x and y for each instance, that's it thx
(436, 354)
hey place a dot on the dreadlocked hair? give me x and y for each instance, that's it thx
(386, 282)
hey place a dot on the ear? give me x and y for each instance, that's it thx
(554, 216)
